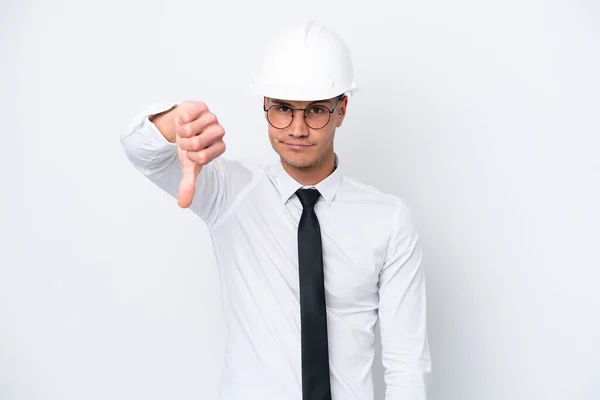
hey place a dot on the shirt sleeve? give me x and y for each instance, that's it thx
(402, 312)
(218, 183)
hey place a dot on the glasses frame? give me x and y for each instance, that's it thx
(340, 98)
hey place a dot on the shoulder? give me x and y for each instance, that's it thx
(354, 190)
(378, 203)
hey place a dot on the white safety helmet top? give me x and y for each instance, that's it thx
(307, 62)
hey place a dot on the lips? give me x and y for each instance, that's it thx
(297, 144)
(297, 147)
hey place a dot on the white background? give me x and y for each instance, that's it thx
(483, 115)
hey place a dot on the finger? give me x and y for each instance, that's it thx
(187, 186)
(199, 142)
(191, 111)
(205, 156)
(198, 125)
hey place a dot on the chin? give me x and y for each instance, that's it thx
(297, 161)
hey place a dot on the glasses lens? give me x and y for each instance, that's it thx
(317, 116)
(280, 116)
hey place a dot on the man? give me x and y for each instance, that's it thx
(310, 259)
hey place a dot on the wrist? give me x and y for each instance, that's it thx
(165, 123)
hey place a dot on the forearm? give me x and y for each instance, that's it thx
(403, 313)
(147, 148)
(405, 393)
(405, 346)
(407, 366)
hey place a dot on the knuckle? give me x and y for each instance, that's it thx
(200, 106)
(202, 157)
(212, 119)
(192, 155)
(198, 143)
(185, 130)
(186, 106)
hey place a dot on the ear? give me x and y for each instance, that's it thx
(265, 105)
(341, 111)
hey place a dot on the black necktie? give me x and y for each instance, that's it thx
(313, 314)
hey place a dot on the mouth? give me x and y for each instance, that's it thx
(297, 146)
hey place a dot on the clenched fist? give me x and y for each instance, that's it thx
(199, 139)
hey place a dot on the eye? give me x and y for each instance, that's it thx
(317, 110)
(283, 109)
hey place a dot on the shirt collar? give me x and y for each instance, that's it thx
(328, 187)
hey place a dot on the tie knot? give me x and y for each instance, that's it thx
(308, 197)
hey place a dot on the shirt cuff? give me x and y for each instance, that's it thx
(141, 124)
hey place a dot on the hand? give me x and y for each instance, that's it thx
(199, 138)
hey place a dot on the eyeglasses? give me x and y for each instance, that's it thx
(316, 116)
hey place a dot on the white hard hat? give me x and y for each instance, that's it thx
(307, 62)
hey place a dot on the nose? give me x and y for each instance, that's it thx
(298, 128)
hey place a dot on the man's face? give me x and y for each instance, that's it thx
(300, 145)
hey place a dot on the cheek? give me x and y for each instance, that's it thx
(273, 135)
(327, 137)
(274, 139)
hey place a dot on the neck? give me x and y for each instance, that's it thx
(310, 176)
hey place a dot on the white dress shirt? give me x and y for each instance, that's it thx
(372, 266)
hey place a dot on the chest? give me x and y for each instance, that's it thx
(259, 243)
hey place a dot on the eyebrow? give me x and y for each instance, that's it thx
(285, 103)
